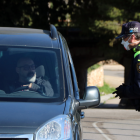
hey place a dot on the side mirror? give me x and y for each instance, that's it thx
(91, 98)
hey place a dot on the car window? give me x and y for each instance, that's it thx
(28, 74)
(73, 74)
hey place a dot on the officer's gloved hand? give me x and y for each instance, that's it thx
(119, 91)
(137, 107)
(136, 104)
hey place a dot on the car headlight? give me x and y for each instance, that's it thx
(57, 128)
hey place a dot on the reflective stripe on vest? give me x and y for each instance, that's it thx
(137, 53)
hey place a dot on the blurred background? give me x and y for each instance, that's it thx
(90, 28)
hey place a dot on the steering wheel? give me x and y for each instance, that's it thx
(21, 88)
(26, 87)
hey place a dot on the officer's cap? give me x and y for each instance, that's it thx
(129, 28)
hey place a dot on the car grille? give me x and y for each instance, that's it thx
(16, 136)
(13, 139)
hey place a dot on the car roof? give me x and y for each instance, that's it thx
(10, 36)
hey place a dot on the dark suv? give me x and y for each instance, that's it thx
(39, 96)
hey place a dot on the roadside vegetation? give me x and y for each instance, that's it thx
(106, 89)
(95, 66)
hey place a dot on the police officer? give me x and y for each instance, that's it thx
(131, 41)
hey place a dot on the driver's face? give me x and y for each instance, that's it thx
(26, 70)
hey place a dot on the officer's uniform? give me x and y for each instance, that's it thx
(132, 91)
(134, 86)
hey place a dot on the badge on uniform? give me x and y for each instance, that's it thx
(138, 67)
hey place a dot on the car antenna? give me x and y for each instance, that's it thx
(53, 32)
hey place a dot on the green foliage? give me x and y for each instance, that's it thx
(97, 19)
(32, 13)
(106, 89)
(103, 18)
(95, 66)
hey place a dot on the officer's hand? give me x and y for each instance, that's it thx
(33, 86)
(119, 91)
(116, 92)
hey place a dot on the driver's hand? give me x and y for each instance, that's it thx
(33, 86)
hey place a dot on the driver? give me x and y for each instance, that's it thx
(27, 78)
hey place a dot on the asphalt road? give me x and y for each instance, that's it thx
(118, 73)
(114, 70)
(113, 75)
(111, 124)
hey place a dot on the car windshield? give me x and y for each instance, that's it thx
(30, 74)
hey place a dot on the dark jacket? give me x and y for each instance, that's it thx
(132, 91)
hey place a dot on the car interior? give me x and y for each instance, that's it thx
(47, 66)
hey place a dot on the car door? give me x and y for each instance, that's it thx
(78, 128)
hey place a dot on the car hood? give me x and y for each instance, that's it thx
(21, 117)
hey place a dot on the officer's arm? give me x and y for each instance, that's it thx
(133, 91)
